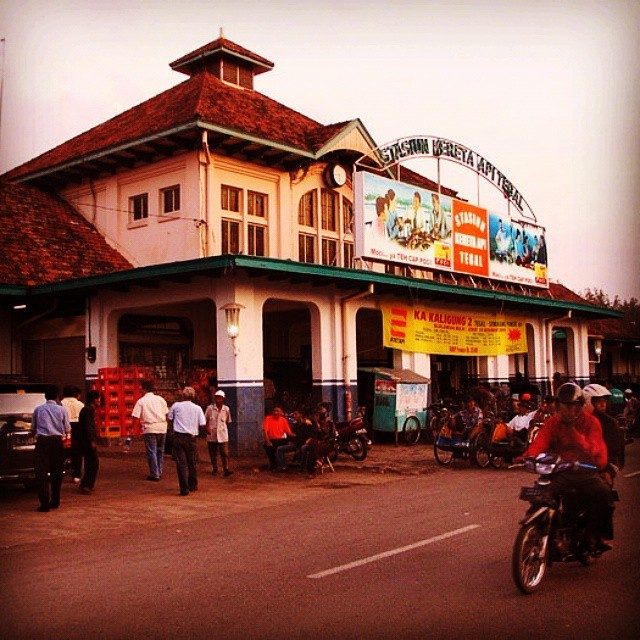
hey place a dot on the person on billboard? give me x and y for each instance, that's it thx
(527, 256)
(382, 214)
(438, 222)
(518, 246)
(393, 227)
(540, 254)
(503, 243)
(417, 213)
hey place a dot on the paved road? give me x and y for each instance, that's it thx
(357, 554)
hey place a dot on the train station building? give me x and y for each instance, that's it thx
(215, 235)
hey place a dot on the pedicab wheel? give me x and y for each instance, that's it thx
(530, 558)
(480, 455)
(497, 462)
(433, 429)
(442, 456)
(411, 430)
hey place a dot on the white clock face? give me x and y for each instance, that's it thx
(339, 175)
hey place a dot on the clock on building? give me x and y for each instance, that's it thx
(335, 175)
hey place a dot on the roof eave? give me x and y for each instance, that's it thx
(330, 275)
(263, 67)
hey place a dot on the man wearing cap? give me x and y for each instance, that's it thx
(187, 418)
(218, 416)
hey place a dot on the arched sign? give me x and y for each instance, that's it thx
(397, 151)
(401, 222)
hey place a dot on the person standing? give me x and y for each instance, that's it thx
(88, 442)
(150, 412)
(218, 417)
(187, 418)
(71, 402)
(51, 425)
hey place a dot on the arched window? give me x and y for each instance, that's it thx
(308, 209)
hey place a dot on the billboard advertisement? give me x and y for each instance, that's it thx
(414, 227)
(433, 330)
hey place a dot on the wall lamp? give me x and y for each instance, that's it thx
(232, 315)
(597, 348)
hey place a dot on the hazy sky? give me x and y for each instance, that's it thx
(549, 92)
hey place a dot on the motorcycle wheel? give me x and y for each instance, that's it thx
(530, 558)
(497, 462)
(411, 430)
(481, 456)
(357, 448)
(442, 456)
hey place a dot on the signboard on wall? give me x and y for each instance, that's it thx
(433, 330)
(414, 227)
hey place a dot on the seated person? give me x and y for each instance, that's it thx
(518, 426)
(276, 430)
(321, 443)
(546, 409)
(303, 430)
(468, 421)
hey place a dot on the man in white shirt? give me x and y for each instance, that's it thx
(519, 424)
(187, 418)
(218, 417)
(71, 402)
(150, 412)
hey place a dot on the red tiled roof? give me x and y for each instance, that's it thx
(560, 292)
(219, 45)
(411, 177)
(616, 329)
(202, 97)
(45, 240)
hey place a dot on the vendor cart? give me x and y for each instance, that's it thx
(399, 399)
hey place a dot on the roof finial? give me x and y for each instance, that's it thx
(221, 32)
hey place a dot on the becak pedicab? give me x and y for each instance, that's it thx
(462, 437)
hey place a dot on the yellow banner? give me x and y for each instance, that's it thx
(452, 333)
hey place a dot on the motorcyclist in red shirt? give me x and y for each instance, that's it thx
(576, 436)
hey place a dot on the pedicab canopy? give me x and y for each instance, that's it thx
(398, 394)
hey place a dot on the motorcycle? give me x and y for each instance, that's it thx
(351, 438)
(550, 531)
(440, 417)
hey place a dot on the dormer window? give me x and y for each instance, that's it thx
(226, 60)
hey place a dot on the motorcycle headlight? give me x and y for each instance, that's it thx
(544, 468)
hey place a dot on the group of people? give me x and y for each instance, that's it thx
(518, 247)
(56, 422)
(306, 438)
(152, 414)
(576, 425)
(395, 224)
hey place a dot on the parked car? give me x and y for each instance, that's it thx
(17, 437)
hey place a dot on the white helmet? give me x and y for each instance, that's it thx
(593, 391)
(570, 393)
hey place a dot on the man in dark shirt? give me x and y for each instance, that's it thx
(87, 442)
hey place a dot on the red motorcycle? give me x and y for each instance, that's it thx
(350, 436)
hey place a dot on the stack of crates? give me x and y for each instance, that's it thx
(120, 388)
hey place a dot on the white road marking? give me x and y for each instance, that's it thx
(630, 475)
(392, 552)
